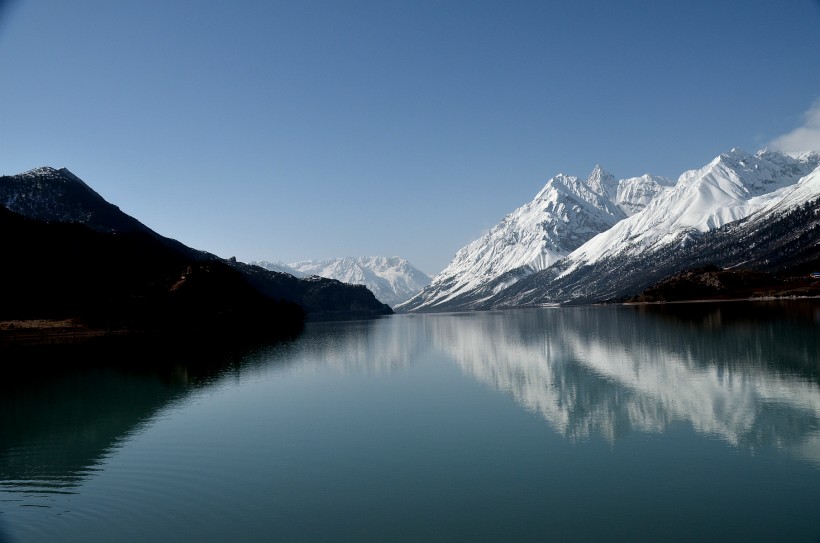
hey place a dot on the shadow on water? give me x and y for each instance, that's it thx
(719, 313)
(64, 406)
(4, 538)
(778, 334)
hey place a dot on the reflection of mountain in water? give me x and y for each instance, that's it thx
(59, 420)
(367, 346)
(749, 380)
(64, 408)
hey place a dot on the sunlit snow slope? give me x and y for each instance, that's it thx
(731, 187)
(740, 209)
(567, 212)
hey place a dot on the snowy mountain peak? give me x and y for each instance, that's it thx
(598, 172)
(277, 266)
(562, 187)
(391, 278)
(42, 170)
(562, 216)
(531, 250)
(556, 182)
(729, 188)
(603, 182)
(752, 175)
(49, 173)
(805, 156)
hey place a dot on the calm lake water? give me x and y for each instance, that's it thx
(687, 423)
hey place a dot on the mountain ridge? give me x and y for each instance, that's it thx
(50, 200)
(567, 212)
(629, 255)
(779, 234)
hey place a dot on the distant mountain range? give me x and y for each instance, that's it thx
(602, 239)
(742, 225)
(70, 254)
(392, 279)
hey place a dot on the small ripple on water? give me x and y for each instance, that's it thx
(153, 486)
(38, 486)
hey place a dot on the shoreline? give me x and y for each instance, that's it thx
(35, 330)
(22, 330)
(720, 300)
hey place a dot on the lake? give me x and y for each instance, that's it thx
(697, 422)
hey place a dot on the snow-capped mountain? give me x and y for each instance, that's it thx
(632, 194)
(731, 187)
(392, 279)
(737, 210)
(566, 213)
(658, 228)
(635, 193)
(277, 266)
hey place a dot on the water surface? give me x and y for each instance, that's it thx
(687, 423)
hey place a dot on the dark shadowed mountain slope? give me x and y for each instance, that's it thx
(714, 283)
(57, 195)
(72, 232)
(129, 281)
(53, 195)
(320, 297)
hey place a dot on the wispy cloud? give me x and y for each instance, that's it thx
(803, 138)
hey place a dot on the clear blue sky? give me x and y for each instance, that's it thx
(310, 129)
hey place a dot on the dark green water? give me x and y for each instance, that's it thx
(690, 423)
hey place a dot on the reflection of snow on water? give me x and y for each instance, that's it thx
(604, 371)
(371, 346)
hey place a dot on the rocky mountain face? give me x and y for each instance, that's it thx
(392, 279)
